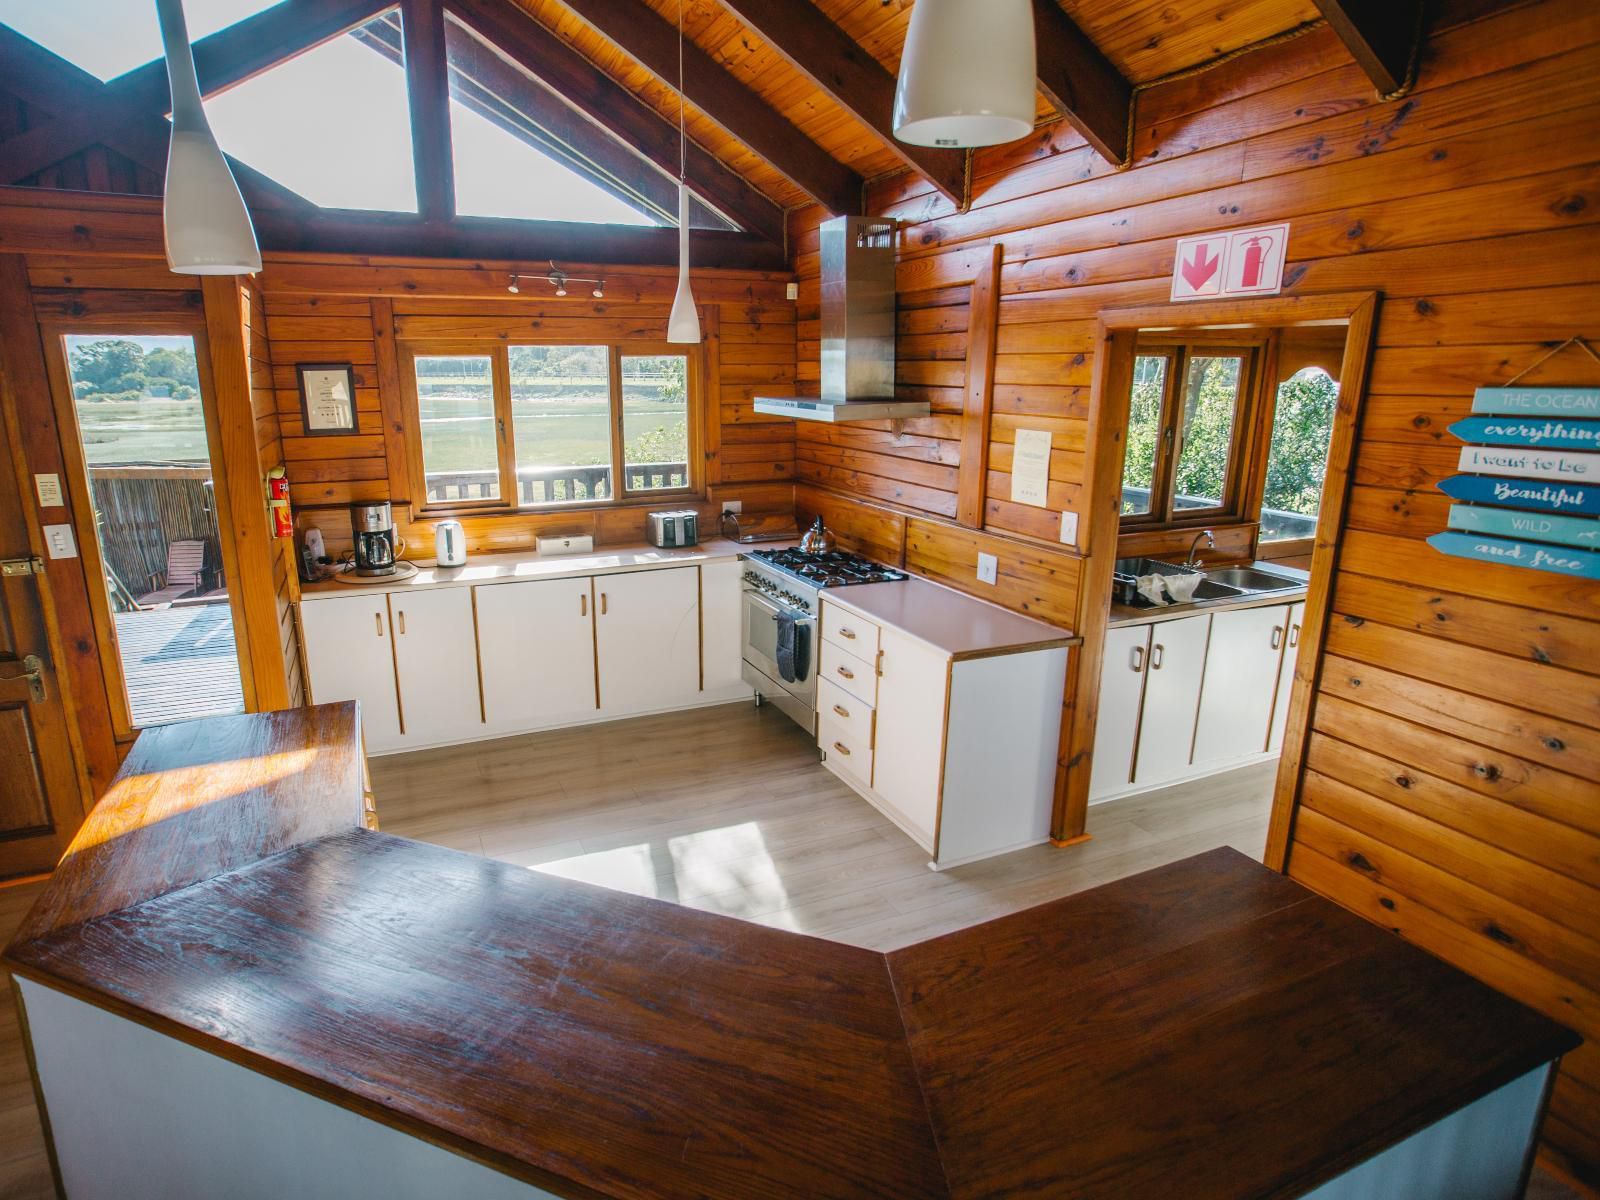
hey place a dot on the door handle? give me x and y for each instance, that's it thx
(1136, 660)
(1277, 636)
(583, 606)
(1157, 655)
(603, 606)
(402, 622)
(33, 672)
(1294, 636)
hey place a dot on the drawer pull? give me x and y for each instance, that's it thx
(1277, 636)
(847, 633)
(842, 711)
(842, 749)
(846, 672)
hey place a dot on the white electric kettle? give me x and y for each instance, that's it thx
(450, 544)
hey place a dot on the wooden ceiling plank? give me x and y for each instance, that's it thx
(837, 65)
(1380, 34)
(428, 92)
(1081, 82)
(596, 96)
(639, 32)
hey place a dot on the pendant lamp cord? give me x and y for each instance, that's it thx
(683, 137)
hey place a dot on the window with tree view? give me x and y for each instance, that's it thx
(537, 425)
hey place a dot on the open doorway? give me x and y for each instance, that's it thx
(133, 404)
(1221, 456)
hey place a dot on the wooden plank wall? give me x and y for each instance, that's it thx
(1453, 783)
(269, 441)
(321, 309)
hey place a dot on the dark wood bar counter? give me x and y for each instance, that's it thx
(1208, 1029)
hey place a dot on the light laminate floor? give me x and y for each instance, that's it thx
(725, 809)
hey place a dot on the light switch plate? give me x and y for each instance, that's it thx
(1069, 528)
(792, 291)
(49, 489)
(59, 540)
(988, 568)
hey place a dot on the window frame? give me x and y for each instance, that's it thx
(1179, 354)
(496, 346)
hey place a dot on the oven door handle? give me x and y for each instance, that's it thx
(775, 612)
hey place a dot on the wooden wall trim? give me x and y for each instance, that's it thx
(983, 320)
(391, 399)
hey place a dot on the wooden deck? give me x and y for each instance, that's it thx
(179, 663)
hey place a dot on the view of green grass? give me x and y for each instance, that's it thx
(137, 399)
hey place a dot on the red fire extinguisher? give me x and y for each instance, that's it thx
(1255, 250)
(278, 503)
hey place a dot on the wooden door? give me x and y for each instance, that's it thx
(536, 650)
(648, 636)
(41, 800)
(1171, 698)
(436, 663)
(1291, 652)
(349, 657)
(1122, 676)
(908, 754)
(1241, 682)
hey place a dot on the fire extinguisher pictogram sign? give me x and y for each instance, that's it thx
(1238, 262)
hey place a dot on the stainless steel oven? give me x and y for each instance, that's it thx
(764, 606)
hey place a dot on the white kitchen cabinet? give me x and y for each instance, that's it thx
(349, 656)
(536, 650)
(647, 628)
(721, 636)
(436, 664)
(907, 757)
(1291, 652)
(1171, 698)
(1241, 679)
(1116, 731)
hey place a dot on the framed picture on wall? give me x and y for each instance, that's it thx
(327, 398)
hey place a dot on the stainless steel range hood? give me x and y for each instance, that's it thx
(857, 330)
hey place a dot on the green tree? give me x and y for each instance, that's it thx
(112, 367)
(175, 368)
(1301, 430)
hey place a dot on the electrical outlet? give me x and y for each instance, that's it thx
(733, 506)
(988, 568)
(1069, 528)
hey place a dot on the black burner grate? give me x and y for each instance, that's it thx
(835, 568)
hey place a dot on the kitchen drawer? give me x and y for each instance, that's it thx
(855, 675)
(850, 632)
(838, 705)
(847, 753)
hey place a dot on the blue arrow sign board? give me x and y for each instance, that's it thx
(1543, 402)
(1583, 532)
(1552, 433)
(1580, 564)
(1527, 463)
(1578, 498)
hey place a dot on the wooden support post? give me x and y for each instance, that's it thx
(983, 322)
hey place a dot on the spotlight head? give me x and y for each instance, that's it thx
(600, 290)
(561, 290)
(512, 286)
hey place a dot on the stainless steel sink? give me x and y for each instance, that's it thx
(1252, 579)
(1210, 589)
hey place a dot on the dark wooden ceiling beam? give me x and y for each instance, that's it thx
(639, 32)
(428, 92)
(837, 65)
(592, 93)
(1081, 83)
(1382, 35)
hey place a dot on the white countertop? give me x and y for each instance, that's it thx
(952, 622)
(522, 567)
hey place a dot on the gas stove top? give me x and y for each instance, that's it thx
(835, 568)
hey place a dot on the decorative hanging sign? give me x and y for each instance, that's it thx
(1522, 493)
(1240, 262)
(1581, 564)
(1581, 532)
(1530, 434)
(1551, 433)
(1552, 401)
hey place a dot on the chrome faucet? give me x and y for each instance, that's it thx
(1193, 561)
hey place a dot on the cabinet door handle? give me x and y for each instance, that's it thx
(842, 711)
(1136, 660)
(402, 622)
(842, 749)
(1277, 636)
(378, 617)
(845, 632)
(1294, 636)
(583, 606)
(602, 604)
(1157, 655)
(846, 672)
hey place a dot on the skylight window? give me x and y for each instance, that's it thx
(509, 162)
(108, 38)
(332, 124)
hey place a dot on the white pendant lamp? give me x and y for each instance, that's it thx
(208, 228)
(967, 75)
(683, 326)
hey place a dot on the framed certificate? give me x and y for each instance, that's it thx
(327, 398)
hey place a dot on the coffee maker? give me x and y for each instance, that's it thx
(376, 543)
